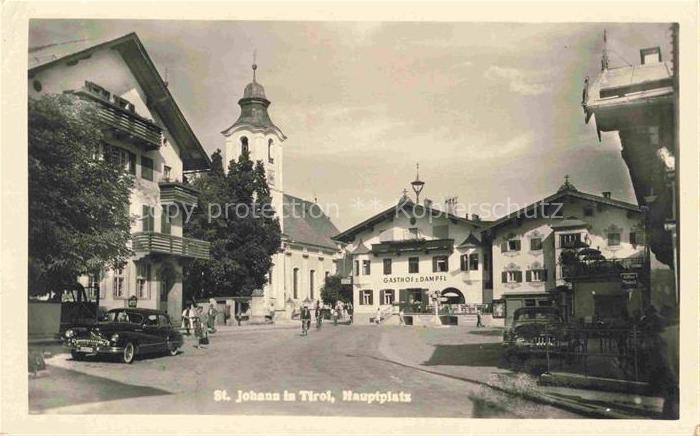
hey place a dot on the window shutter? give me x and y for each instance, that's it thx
(504, 277)
(132, 163)
(528, 276)
(518, 276)
(381, 297)
(371, 297)
(434, 264)
(504, 246)
(544, 275)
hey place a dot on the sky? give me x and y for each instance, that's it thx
(491, 111)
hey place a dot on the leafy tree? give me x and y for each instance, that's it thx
(78, 202)
(235, 215)
(333, 290)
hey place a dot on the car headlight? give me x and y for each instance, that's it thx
(115, 337)
(69, 333)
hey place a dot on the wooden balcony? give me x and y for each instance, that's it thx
(173, 192)
(413, 246)
(609, 269)
(153, 243)
(121, 121)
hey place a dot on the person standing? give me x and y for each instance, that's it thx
(187, 316)
(378, 316)
(478, 319)
(211, 316)
(200, 327)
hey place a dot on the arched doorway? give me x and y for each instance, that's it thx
(453, 296)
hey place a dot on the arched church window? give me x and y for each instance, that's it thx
(269, 151)
(244, 145)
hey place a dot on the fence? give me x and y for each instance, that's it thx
(630, 353)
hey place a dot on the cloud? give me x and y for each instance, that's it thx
(519, 81)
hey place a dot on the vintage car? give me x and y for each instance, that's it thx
(534, 331)
(125, 333)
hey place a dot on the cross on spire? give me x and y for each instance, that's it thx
(255, 65)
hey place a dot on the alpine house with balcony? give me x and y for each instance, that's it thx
(145, 131)
(580, 252)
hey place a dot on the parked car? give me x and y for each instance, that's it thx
(535, 330)
(125, 333)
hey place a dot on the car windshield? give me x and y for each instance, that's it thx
(536, 315)
(124, 316)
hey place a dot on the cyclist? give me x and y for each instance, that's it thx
(305, 320)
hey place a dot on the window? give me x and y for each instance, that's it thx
(167, 173)
(269, 151)
(536, 275)
(151, 321)
(244, 145)
(118, 282)
(165, 220)
(510, 245)
(413, 265)
(365, 267)
(120, 157)
(464, 262)
(312, 274)
(635, 239)
(413, 232)
(146, 168)
(570, 240)
(147, 218)
(588, 211)
(474, 261)
(295, 282)
(512, 276)
(387, 266)
(535, 244)
(440, 264)
(366, 297)
(613, 239)
(143, 281)
(387, 296)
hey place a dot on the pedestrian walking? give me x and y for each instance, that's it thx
(478, 320)
(348, 307)
(401, 317)
(319, 317)
(187, 316)
(305, 317)
(378, 316)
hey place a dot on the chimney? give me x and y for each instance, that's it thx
(475, 217)
(428, 203)
(650, 55)
(607, 195)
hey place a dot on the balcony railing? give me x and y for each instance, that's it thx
(122, 122)
(172, 192)
(601, 269)
(150, 242)
(413, 245)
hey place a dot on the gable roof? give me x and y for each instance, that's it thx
(559, 195)
(349, 234)
(306, 223)
(139, 62)
(472, 240)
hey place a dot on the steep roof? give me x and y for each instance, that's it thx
(349, 234)
(139, 62)
(306, 223)
(527, 210)
(471, 240)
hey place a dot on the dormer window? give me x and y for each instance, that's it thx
(270, 159)
(244, 145)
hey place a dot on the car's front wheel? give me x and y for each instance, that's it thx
(77, 355)
(129, 353)
(172, 348)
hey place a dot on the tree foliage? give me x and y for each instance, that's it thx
(78, 202)
(235, 215)
(333, 290)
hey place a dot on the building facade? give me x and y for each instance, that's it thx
(145, 132)
(308, 254)
(569, 250)
(406, 256)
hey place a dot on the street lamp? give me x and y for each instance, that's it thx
(417, 185)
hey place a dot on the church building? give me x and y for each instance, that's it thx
(307, 254)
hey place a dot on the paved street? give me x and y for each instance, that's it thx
(443, 371)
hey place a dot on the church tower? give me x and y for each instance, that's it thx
(255, 131)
